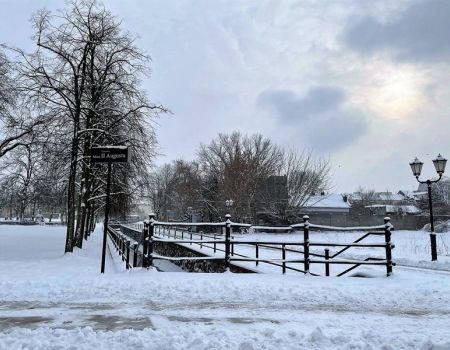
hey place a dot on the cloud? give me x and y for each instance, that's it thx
(291, 107)
(420, 34)
(320, 116)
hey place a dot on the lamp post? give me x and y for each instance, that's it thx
(416, 167)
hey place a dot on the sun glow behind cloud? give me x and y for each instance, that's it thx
(396, 91)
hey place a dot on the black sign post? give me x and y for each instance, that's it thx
(108, 154)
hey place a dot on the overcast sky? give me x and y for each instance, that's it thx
(365, 83)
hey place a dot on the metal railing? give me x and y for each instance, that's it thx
(127, 248)
(154, 231)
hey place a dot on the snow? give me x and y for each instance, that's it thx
(409, 209)
(332, 200)
(49, 300)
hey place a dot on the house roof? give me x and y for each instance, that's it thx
(388, 196)
(412, 194)
(409, 209)
(379, 196)
(332, 200)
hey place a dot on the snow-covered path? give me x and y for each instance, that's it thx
(52, 301)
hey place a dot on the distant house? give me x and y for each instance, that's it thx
(332, 203)
(390, 197)
(381, 198)
(390, 209)
(414, 196)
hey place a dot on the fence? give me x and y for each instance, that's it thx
(155, 231)
(129, 252)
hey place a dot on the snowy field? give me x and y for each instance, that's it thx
(49, 300)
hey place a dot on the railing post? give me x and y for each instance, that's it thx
(135, 255)
(145, 244)
(123, 248)
(215, 243)
(150, 239)
(128, 254)
(227, 241)
(306, 243)
(232, 247)
(327, 264)
(387, 239)
(190, 237)
(257, 253)
(283, 251)
(201, 238)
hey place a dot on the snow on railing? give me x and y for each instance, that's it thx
(153, 231)
(354, 228)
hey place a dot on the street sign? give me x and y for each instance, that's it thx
(109, 154)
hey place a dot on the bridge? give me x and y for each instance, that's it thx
(221, 247)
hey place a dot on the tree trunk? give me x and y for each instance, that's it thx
(71, 192)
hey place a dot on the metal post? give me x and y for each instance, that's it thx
(105, 228)
(432, 233)
(150, 239)
(215, 243)
(123, 248)
(257, 253)
(145, 244)
(135, 255)
(232, 247)
(327, 264)
(283, 251)
(201, 238)
(190, 237)
(128, 254)
(227, 241)
(387, 239)
(306, 243)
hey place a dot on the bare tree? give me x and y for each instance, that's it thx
(240, 164)
(17, 121)
(87, 71)
(306, 175)
(363, 198)
(262, 180)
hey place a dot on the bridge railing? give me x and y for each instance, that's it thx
(154, 231)
(127, 247)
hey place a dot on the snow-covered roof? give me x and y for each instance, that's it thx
(409, 209)
(389, 196)
(332, 200)
(412, 194)
(379, 196)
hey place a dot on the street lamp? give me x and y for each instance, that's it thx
(416, 167)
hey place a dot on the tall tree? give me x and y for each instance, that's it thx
(89, 70)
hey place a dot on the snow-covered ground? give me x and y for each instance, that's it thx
(49, 300)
